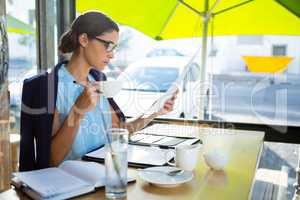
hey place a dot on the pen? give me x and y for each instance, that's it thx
(97, 90)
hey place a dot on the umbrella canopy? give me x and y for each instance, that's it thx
(17, 26)
(170, 19)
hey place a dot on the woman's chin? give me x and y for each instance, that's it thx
(100, 67)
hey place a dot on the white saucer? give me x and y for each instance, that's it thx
(162, 179)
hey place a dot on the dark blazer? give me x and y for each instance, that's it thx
(38, 105)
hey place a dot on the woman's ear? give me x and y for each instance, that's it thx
(83, 40)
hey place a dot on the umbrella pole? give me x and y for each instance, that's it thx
(205, 103)
(203, 78)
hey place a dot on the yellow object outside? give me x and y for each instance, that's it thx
(271, 64)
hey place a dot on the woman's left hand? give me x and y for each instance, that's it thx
(168, 105)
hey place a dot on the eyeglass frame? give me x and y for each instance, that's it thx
(109, 45)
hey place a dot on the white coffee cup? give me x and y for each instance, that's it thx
(186, 156)
(110, 88)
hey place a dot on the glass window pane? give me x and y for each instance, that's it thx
(21, 25)
(256, 82)
(250, 78)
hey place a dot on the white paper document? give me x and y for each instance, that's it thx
(158, 104)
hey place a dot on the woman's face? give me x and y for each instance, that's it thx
(99, 50)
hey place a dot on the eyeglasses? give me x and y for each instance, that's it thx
(110, 46)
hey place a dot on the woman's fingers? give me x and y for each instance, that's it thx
(169, 102)
(92, 95)
(88, 98)
(169, 105)
(96, 86)
(93, 87)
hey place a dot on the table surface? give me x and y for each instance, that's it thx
(235, 182)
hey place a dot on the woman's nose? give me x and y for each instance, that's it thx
(111, 54)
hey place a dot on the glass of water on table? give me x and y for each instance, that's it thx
(116, 163)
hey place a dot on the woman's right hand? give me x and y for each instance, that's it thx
(88, 99)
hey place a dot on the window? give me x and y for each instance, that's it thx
(258, 93)
(21, 25)
(279, 50)
(262, 91)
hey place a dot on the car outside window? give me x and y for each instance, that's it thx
(151, 79)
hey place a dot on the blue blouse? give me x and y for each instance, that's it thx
(91, 133)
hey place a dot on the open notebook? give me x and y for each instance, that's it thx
(70, 179)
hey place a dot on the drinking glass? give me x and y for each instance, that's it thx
(116, 163)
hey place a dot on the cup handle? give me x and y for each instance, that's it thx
(167, 160)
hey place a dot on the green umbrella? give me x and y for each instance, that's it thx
(17, 26)
(167, 19)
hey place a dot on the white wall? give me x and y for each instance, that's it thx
(230, 52)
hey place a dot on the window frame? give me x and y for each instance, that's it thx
(65, 13)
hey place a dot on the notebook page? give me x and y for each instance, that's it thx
(51, 181)
(171, 130)
(151, 139)
(91, 172)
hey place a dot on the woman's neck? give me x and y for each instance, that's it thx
(78, 67)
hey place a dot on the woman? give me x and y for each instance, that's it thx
(81, 113)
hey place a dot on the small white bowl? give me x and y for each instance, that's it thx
(216, 159)
(110, 88)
